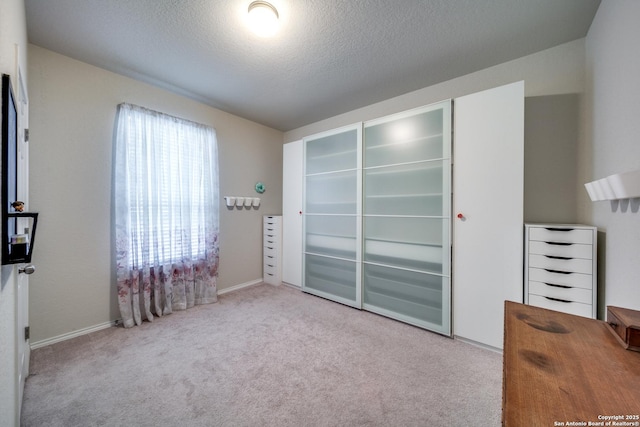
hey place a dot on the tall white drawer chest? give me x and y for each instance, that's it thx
(272, 250)
(560, 268)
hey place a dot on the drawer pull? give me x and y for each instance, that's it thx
(558, 286)
(558, 299)
(558, 257)
(269, 256)
(557, 271)
(559, 243)
(558, 229)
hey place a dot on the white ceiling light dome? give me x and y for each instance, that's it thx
(263, 18)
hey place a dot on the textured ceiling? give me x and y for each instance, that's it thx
(329, 56)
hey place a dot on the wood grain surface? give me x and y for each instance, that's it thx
(563, 370)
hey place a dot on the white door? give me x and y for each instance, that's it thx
(292, 213)
(22, 302)
(488, 164)
(22, 340)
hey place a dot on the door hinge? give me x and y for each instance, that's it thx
(27, 332)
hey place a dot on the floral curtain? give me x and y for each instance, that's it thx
(166, 213)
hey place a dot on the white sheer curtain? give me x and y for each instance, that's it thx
(166, 213)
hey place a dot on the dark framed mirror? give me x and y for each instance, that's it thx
(9, 164)
(18, 227)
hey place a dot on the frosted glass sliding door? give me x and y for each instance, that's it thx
(406, 214)
(332, 215)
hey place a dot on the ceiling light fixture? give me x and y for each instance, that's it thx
(263, 18)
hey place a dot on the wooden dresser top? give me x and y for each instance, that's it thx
(560, 369)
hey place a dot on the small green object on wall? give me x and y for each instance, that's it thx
(260, 187)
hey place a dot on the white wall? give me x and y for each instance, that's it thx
(611, 144)
(13, 33)
(559, 70)
(73, 108)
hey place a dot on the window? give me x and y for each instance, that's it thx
(166, 188)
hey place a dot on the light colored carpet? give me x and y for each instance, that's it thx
(264, 356)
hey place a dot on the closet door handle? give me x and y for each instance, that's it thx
(558, 286)
(558, 299)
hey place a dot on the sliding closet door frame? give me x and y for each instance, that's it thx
(357, 302)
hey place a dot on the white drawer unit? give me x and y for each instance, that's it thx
(560, 268)
(272, 249)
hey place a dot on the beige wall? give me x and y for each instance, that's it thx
(551, 132)
(73, 108)
(611, 144)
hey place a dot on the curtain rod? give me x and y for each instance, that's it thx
(149, 110)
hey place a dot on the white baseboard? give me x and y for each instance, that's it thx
(240, 286)
(74, 334)
(478, 344)
(95, 328)
(290, 285)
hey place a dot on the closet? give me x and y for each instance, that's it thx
(407, 197)
(417, 215)
(332, 219)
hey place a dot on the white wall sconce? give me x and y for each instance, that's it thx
(615, 187)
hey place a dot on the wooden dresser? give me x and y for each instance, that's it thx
(563, 370)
